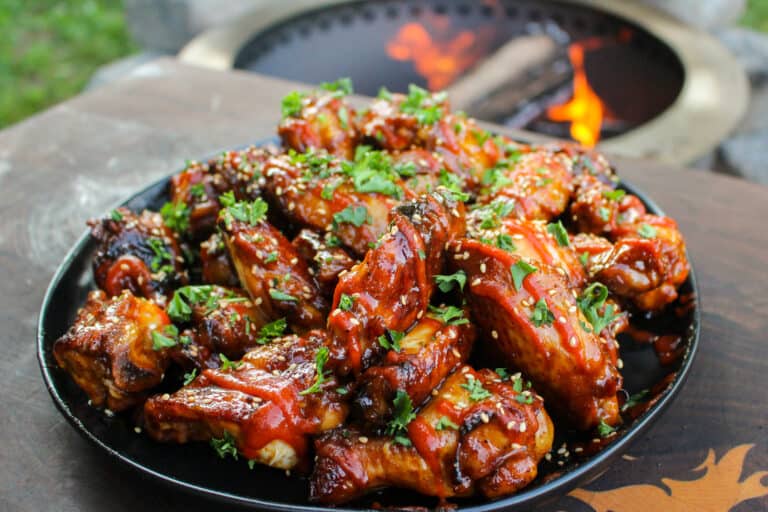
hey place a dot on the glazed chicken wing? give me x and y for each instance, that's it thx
(391, 288)
(350, 200)
(216, 265)
(477, 435)
(266, 405)
(270, 268)
(416, 363)
(530, 316)
(320, 120)
(196, 190)
(111, 352)
(137, 253)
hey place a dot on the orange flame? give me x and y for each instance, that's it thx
(585, 110)
(719, 488)
(439, 60)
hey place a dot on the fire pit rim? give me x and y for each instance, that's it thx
(710, 104)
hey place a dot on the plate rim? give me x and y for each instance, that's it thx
(589, 470)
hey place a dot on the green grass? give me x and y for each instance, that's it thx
(49, 49)
(756, 16)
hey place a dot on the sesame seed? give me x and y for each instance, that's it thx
(516, 446)
(560, 463)
(619, 364)
(363, 439)
(403, 300)
(466, 255)
(279, 191)
(420, 314)
(484, 417)
(511, 424)
(354, 321)
(523, 426)
(517, 236)
(291, 206)
(294, 260)
(561, 451)
(548, 456)
(495, 334)
(562, 319)
(434, 392)
(578, 449)
(552, 292)
(572, 309)
(137, 430)
(166, 396)
(482, 268)
(456, 352)
(258, 301)
(455, 212)
(573, 341)
(475, 281)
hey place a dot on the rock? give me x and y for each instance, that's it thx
(750, 48)
(165, 26)
(746, 155)
(704, 14)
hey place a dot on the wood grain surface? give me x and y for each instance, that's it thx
(708, 452)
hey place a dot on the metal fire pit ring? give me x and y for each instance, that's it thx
(711, 102)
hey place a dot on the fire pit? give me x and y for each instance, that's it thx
(614, 72)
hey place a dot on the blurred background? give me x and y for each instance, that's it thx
(51, 50)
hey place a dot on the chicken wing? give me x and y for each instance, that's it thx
(350, 200)
(137, 253)
(325, 261)
(270, 268)
(320, 120)
(216, 264)
(416, 363)
(478, 434)
(264, 407)
(391, 288)
(530, 316)
(117, 350)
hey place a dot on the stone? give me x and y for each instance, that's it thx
(746, 155)
(750, 48)
(703, 14)
(165, 26)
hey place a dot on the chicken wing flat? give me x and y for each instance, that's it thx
(477, 435)
(391, 288)
(350, 200)
(270, 268)
(137, 253)
(265, 406)
(416, 363)
(216, 265)
(111, 351)
(536, 241)
(320, 120)
(532, 318)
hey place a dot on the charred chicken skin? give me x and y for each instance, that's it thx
(536, 324)
(137, 253)
(266, 405)
(331, 304)
(477, 434)
(110, 351)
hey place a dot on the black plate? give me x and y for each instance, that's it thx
(196, 468)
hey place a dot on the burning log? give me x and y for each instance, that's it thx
(520, 71)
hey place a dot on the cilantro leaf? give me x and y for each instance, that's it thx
(280, 295)
(402, 414)
(476, 390)
(647, 231)
(320, 374)
(271, 330)
(346, 302)
(605, 429)
(520, 270)
(390, 340)
(226, 364)
(355, 215)
(342, 86)
(446, 282)
(291, 104)
(225, 446)
(166, 339)
(444, 423)
(189, 377)
(591, 302)
(557, 230)
(175, 216)
(541, 314)
(450, 315)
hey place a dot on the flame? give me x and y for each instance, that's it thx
(585, 110)
(717, 489)
(439, 57)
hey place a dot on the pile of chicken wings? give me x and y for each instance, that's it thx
(329, 306)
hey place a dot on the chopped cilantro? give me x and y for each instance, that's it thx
(189, 377)
(444, 423)
(454, 184)
(476, 390)
(584, 258)
(179, 309)
(503, 373)
(162, 260)
(647, 231)
(341, 87)
(115, 215)
(450, 315)
(346, 302)
(422, 105)
(329, 188)
(391, 340)
(175, 216)
(519, 271)
(197, 190)
(446, 282)
(604, 213)
(505, 243)
(291, 104)
(384, 94)
(166, 339)
(541, 314)
(226, 364)
(227, 199)
(249, 212)
(605, 429)
(225, 446)
(614, 195)
(635, 399)
(422, 256)
(280, 295)
(355, 215)
(402, 415)
(344, 118)
(557, 230)
(320, 374)
(591, 302)
(271, 331)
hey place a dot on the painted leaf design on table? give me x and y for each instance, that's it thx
(717, 490)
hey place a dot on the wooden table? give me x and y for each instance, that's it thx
(77, 159)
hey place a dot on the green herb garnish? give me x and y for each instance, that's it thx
(476, 390)
(271, 331)
(320, 375)
(450, 315)
(390, 340)
(520, 270)
(557, 230)
(446, 282)
(541, 314)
